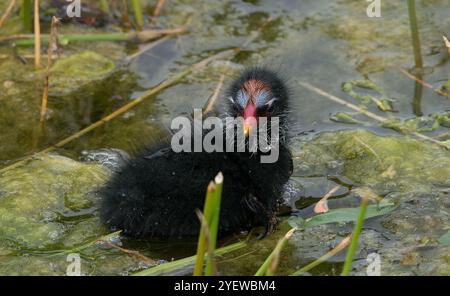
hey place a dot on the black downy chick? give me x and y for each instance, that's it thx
(156, 194)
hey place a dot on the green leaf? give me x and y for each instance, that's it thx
(445, 239)
(342, 215)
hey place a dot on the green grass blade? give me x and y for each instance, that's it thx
(355, 237)
(214, 225)
(138, 13)
(207, 212)
(25, 14)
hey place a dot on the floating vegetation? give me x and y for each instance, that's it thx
(342, 215)
(344, 117)
(383, 102)
(419, 124)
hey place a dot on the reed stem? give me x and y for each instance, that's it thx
(47, 71)
(214, 225)
(37, 36)
(25, 14)
(415, 33)
(139, 17)
(144, 36)
(271, 262)
(7, 12)
(355, 236)
(207, 213)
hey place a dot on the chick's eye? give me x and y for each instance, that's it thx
(270, 105)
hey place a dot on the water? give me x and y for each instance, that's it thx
(50, 203)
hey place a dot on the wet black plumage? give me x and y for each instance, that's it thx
(156, 193)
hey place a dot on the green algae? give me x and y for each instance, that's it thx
(78, 69)
(36, 198)
(47, 211)
(406, 171)
(367, 156)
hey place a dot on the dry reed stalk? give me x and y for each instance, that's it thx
(424, 83)
(140, 37)
(7, 12)
(321, 206)
(37, 36)
(447, 43)
(215, 95)
(53, 33)
(133, 253)
(158, 8)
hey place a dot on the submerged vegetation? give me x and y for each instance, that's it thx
(371, 146)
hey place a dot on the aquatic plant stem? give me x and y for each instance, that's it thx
(47, 71)
(270, 264)
(355, 236)
(7, 12)
(142, 37)
(138, 15)
(79, 248)
(365, 112)
(341, 246)
(210, 268)
(203, 237)
(157, 11)
(415, 33)
(133, 253)
(424, 83)
(158, 8)
(416, 103)
(37, 36)
(213, 98)
(25, 14)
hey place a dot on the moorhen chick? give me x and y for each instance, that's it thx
(156, 193)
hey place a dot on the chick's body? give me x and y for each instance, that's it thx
(156, 194)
